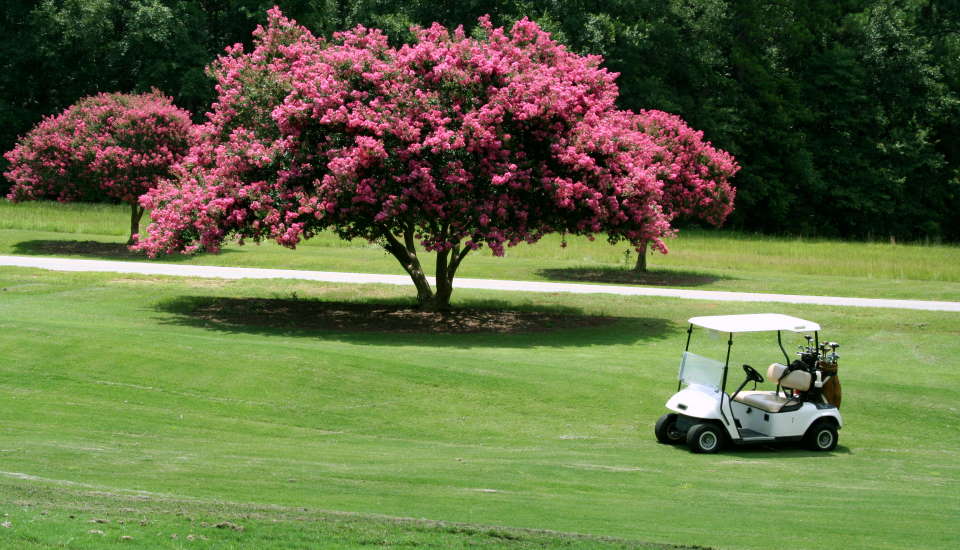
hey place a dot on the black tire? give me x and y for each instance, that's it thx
(705, 438)
(822, 436)
(666, 430)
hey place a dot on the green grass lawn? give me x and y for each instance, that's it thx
(119, 401)
(44, 516)
(701, 259)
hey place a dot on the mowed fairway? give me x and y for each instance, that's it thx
(119, 402)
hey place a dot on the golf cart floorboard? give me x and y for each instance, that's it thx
(748, 436)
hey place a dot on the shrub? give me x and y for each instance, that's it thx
(107, 147)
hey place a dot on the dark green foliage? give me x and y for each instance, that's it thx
(842, 113)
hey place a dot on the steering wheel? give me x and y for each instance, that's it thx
(752, 374)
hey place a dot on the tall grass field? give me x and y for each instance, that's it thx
(155, 412)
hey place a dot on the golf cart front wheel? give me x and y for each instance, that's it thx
(666, 430)
(704, 438)
(822, 436)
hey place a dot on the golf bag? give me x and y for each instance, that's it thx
(821, 382)
(831, 386)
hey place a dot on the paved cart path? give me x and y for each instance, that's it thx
(153, 268)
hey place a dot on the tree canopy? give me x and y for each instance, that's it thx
(450, 142)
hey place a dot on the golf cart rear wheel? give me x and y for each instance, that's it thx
(704, 438)
(822, 436)
(666, 430)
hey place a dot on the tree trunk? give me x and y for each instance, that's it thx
(136, 212)
(406, 254)
(641, 266)
(447, 263)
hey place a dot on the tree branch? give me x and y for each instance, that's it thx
(408, 239)
(398, 251)
(458, 257)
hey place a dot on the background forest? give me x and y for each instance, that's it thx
(842, 113)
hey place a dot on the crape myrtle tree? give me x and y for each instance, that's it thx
(449, 143)
(107, 147)
(695, 177)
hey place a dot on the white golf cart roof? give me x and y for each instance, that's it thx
(755, 322)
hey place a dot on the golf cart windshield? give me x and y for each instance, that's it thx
(696, 369)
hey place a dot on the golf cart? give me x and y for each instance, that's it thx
(803, 407)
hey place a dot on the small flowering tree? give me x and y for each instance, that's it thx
(450, 143)
(104, 147)
(695, 176)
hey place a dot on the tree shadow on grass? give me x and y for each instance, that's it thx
(475, 323)
(96, 249)
(89, 249)
(619, 275)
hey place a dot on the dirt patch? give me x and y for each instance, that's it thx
(315, 315)
(628, 276)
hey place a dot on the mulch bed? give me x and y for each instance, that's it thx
(305, 314)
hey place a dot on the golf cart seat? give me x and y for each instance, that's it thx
(773, 402)
(794, 380)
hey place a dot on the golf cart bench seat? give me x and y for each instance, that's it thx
(764, 400)
(772, 401)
